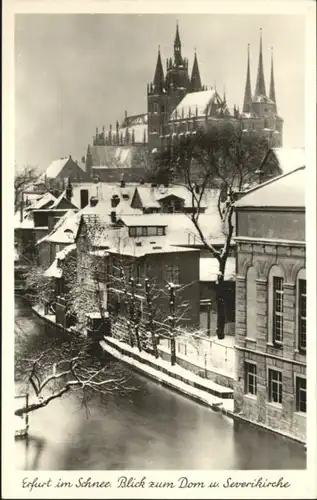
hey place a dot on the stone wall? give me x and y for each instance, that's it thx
(272, 224)
(213, 375)
(258, 348)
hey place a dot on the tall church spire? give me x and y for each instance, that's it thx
(247, 103)
(260, 83)
(158, 81)
(272, 84)
(195, 82)
(177, 48)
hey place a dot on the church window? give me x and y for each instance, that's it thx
(155, 107)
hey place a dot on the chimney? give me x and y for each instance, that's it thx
(122, 183)
(197, 188)
(93, 201)
(115, 200)
(69, 190)
(125, 114)
(113, 217)
(21, 211)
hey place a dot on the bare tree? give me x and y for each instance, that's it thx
(38, 289)
(65, 363)
(22, 179)
(228, 159)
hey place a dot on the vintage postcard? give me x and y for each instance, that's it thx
(159, 229)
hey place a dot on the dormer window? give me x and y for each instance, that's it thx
(136, 231)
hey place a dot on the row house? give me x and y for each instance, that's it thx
(127, 260)
(38, 219)
(271, 308)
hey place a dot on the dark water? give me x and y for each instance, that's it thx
(150, 428)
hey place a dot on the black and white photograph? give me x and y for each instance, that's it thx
(162, 177)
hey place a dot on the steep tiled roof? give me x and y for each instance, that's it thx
(287, 190)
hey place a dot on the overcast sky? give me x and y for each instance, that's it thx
(78, 71)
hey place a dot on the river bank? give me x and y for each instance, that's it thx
(206, 392)
(152, 428)
(217, 397)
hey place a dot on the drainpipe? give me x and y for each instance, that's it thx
(21, 209)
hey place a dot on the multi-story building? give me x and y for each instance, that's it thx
(37, 220)
(270, 387)
(178, 104)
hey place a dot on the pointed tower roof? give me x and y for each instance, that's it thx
(272, 84)
(247, 103)
(177, 48)
(260, 83)
(195, 81)
(177, 40)
(158, 80)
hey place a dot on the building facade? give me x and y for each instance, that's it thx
(270, 387)
(178, 103)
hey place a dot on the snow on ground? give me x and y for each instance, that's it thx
(208, 353)
(169, 379)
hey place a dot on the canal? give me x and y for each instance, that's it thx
(150, 428)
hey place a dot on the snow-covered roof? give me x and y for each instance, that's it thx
(54, 271)
(180, 230)
(146, 247)
(65, 230)
(103, 191)
(144, 220)
(63, 253)
(290, 158)
(55, 168)
(114, 156)
(27, 223)
(150, 196)
(287, 190)
(262, 98)
(42, 201)
(209, 269)
(200, 100)
(96, 315)
(140, 131)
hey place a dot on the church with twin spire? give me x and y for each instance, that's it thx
(178, 103)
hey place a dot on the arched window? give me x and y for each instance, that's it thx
(251, 303)
(275, 306)
(301, 311)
